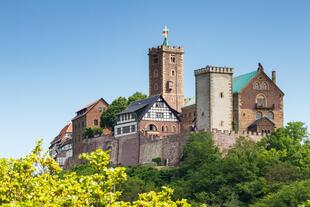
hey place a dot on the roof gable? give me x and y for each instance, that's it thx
(141, 107)
(262, 121)
(87, 108)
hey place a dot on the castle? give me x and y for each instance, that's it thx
(249, 105)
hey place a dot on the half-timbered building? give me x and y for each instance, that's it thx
(151, 116)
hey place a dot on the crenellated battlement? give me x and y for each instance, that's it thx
(241, 133)
(213, 69)
(226, 139)
(173, 49)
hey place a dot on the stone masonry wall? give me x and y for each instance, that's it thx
(136, 149)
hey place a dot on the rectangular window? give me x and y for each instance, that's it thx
(159, 115)
(96, 122)
(170, 115)
(126, 129)
(148, 115)
(155, 59)
(119, 130)
(133, 128)
(172, 59)
(170, 85)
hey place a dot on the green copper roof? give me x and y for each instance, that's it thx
(241, 81)
(165, 43)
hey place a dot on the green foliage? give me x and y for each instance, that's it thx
(136, 97)
(108, 117)
(305, 204)
(92, 132)
(36, 180)
(272, 172)
(293, 142)
(88, 133)
(289, 195)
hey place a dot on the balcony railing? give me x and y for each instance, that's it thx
(258, 106)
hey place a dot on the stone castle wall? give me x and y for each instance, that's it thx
(136, 149)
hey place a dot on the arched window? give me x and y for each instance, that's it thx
(263, 86)
(270, 115)
(162, 128)
(259, 115)
(166, 128)
(152, 127)
(261, 101)
(173, 129)
(256, 86)
(172, 72)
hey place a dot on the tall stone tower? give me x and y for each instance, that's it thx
(166, 73)
(214, 98)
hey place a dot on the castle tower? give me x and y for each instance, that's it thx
(214, 98)
(166, 73)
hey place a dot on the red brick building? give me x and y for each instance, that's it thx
(87, 117)
(255, 98)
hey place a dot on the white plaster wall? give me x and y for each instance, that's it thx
(202, 101)
(221, 108)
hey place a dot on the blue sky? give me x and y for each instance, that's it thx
(57, 56)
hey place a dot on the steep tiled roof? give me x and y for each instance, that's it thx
(87, 108)
(61, 136)
(137, 105)
(142, 106)
(241, 81)
(262, 119)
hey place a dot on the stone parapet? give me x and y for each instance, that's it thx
(172, 49)
(136, 149)
(213, 69)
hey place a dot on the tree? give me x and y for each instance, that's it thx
(293, 142)
(289, 195)
(36, 180)
(108, 117)
(136, 97)
(88, 133)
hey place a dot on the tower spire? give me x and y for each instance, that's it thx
(165, 34)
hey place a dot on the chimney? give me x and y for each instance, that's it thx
(274, 76)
